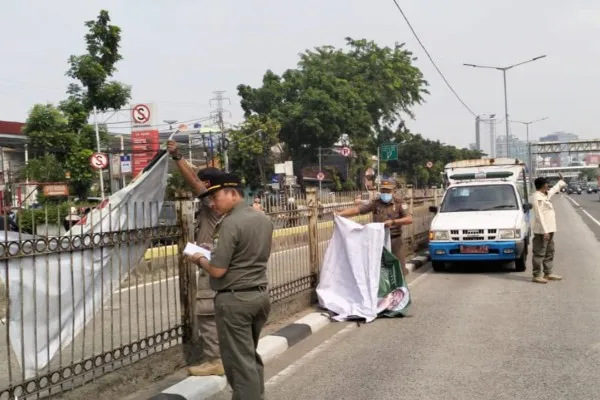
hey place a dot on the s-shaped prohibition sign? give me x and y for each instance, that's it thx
(141, 114)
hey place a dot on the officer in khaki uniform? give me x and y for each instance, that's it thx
(206, 221)
(238, 273)
(390, 210)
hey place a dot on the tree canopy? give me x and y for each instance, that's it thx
(363, 91)
(354, 90)
(251, 156)
(63, 131)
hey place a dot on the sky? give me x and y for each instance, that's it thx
(177, 53)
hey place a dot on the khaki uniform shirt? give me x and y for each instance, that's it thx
(395, 209)
(242, 245)
(206, 222)
(544, 215)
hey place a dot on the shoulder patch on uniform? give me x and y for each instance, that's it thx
(405, 206)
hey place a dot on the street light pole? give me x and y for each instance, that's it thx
(504, 69)
(527, 123)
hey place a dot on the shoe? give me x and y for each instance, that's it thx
(539, 279)
(553, 277)
(214, 367)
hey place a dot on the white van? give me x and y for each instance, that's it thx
(484, 214)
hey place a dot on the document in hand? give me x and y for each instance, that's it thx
(360, 277)
(191, 249)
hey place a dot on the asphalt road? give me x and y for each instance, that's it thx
(473, 334)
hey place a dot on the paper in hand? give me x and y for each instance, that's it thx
(191, 249)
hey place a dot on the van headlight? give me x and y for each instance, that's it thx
(439, 235)
(509, 233)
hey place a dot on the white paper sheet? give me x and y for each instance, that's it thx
(191, 249)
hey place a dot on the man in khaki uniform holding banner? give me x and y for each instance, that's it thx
(206, 218)
(390, 210)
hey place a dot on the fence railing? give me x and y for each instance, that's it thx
(76, 305)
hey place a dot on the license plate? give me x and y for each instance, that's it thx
(474, 249)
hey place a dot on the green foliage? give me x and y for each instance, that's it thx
(64, 130)
(589, 175)
(351, 91)
(46, 168)
(52, 214)
(250, 154)
(176, 186)
(414, 152)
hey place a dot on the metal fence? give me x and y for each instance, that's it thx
(74, 306)
(113, 317)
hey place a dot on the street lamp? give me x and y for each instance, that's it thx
(170, 122)
(504, 69)
(527, 123)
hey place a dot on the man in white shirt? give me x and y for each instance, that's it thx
(544, 227)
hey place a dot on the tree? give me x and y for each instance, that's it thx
(355, 91)
(414, 152)
(64, 130)
(589, 175)
(250, 152)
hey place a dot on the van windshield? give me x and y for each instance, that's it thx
(480, 198)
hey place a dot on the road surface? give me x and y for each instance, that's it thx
(473, 334)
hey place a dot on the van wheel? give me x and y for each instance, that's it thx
(521, 262)
(438, 266)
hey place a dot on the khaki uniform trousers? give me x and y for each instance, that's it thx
(240, 319)
(205, 317)
(399, 252)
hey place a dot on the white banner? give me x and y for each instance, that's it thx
(53, 296)
(349, 279)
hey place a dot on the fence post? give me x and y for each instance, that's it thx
(313, 240)
(187, 283)
(411, 205)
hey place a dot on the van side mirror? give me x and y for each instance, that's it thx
(527, 207)
(433, 209)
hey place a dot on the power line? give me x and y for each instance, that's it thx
(432, 61)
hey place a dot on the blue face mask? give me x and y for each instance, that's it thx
(385, 197)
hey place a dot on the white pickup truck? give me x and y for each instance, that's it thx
(484, 214)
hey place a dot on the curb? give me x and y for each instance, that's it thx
(269, 347)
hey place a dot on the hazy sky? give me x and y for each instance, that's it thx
(177, 53)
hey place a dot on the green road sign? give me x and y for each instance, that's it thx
(389, 152)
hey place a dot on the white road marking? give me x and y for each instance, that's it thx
(290, 369)
(583, 210)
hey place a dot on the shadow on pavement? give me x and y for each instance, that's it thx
(493, 270)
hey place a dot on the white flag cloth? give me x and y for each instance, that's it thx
(349, 279)
(53, 296)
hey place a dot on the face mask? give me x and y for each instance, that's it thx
(385, 197)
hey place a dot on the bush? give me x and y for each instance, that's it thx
(53, 214)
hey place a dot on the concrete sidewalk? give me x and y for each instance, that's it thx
(270, 346)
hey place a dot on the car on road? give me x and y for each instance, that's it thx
(574, 188)
(593, 186)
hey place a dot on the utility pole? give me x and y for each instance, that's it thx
(477, 134)
(218, 114)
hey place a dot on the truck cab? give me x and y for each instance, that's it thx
(484, 214)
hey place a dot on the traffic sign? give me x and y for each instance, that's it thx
(320, 176)
(126, 164)
(389, 152)
(429, 164)
(99, 161)
(346, 151)
(141, 114)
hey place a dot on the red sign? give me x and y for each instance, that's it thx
(346, 151)
(141, 114)
(144, 145)
(320, 176)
